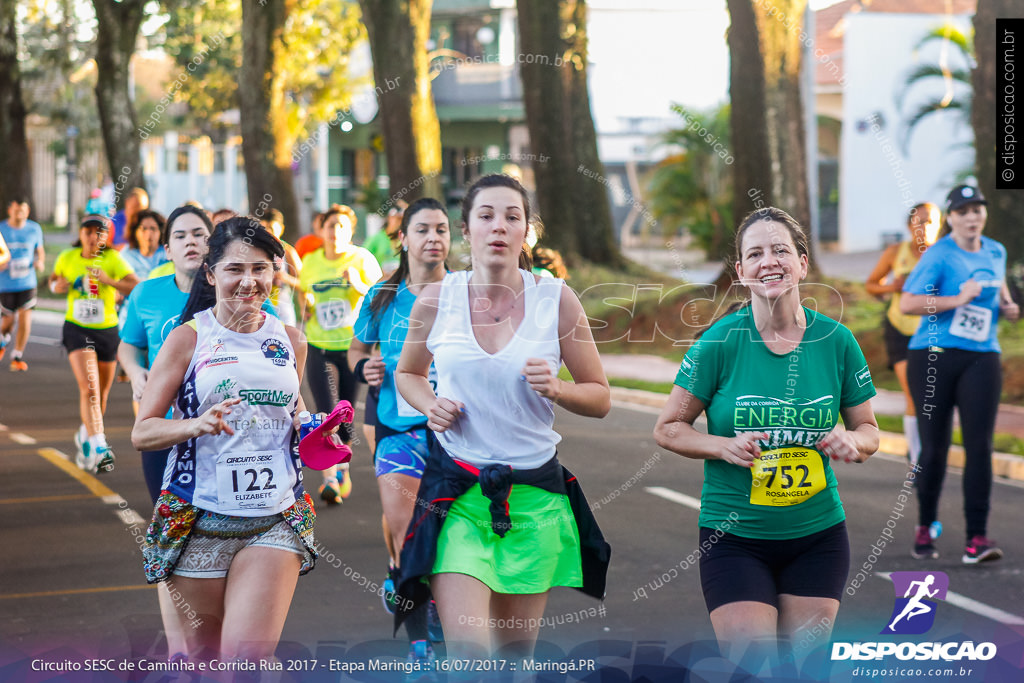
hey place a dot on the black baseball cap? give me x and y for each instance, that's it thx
(962, 195)
(96, 219)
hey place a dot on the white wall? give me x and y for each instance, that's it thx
(879, 183)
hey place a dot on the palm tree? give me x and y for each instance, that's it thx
(692, 189)
(920, 98)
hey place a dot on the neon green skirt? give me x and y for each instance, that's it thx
(540, 551)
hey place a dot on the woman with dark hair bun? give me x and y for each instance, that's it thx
(499, 522)
(233, 527)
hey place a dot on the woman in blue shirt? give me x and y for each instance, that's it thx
(959, 286)
(401, 430)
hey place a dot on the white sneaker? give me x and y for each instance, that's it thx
(84, 459)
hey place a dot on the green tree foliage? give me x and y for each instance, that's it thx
(692, 189)
(205, 39)
(56, 71)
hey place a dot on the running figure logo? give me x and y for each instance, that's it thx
(914, 612)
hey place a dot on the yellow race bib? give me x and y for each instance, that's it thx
(786, 476)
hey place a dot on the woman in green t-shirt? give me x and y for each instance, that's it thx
(92, 275)
(772, 377)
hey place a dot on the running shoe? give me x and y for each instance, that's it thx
(104, 459)
(84, 458)
(330, 493)
(5, 339)
(924, 549)
(18, 365)
(420, 663)
(345, 487)
(434, 631)
(981, 549)
(388, 588)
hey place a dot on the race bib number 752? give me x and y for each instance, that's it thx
(786, 476)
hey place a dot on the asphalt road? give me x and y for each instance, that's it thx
(72, 587)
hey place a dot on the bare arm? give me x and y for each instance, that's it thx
(132, 359)
(298, 340)
(929, 304)
(40, 259)
(125, 285)
(374, 369)
(289, 273)
(5, 254)
(675, 432)
(414, 365)
(1007, 308)
(588, 393)
(876, 284)
(858, 440)
(152, 430)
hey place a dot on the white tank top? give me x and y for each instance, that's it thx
(506, 422)
(256, 471)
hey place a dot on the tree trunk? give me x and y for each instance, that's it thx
(767, 119)
(1005, 207)
(117, 29)
(752, 169)
(398, 31)
(571, 188)
(15, 172)
(266, 142)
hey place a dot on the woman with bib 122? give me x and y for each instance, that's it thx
(233, 528)
(334, 280)
(959, 286)
(773, 378)
(91, 274)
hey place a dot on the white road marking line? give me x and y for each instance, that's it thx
(972, 605)
(674, 496)
(636, 407)
(46, 341)
(24, 439)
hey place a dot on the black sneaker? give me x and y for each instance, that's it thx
(981, 549)
(924, 549)
(434, 631)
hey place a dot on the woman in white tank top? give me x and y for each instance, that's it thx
(497, 336)
(232, 494)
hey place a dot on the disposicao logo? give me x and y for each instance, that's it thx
(916, 595)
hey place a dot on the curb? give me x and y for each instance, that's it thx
(1005, 465)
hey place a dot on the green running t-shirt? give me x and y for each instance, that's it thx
(795, 398)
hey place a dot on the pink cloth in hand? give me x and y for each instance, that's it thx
(318, 450)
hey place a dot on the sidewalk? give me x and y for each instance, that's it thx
(657, 369)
